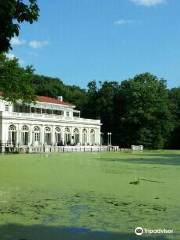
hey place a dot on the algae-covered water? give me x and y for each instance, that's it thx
(89, 195)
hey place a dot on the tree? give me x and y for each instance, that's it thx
(99, 104)
(16, 81)
(105, 103)
(89, 107)
(174, 98)
(75, 95)
(146, 116)
(47, 86)
(174, 95)
(53, 87)
(12, 14)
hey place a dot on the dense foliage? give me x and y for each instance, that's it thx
(16, 81)
(141, 110)
(12, 14)
(137, 111)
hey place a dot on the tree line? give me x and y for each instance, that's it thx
(140, 110)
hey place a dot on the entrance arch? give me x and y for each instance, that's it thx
(58, 136)
(36, 135)
(67, 136)
(47, 135)
(76, 136)
(92, 137)
(25, 135)
(12, 135)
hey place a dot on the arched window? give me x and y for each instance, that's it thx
(84, 137)
(12, 134)
(25, 135)
(47, 135)
(12, 128)
(58, 136)
(67, 136)
(36, 135)
(92, 137)
(36, 129)
(57, 129)
(76, 136)
(25, 128)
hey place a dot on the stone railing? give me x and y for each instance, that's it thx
(48, 117)
(56, 149)
(49, 149)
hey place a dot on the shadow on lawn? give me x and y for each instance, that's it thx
(164, 159)
(40, 232)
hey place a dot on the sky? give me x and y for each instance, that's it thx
(83, 40)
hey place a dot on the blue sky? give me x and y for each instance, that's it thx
(82, 40)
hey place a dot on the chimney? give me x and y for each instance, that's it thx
(60, 98)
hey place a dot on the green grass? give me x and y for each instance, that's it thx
(45, 196)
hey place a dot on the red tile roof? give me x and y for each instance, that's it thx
(46, 99)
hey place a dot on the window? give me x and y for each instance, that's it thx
(48, 111)
(67, 136)
(36, 137)
(36, 129)
(27, 109)
(38, 110)
(12, 135)
(47, 136)
(25, 135)
(37, 134)
(76, 114)
(16, 108)
(58, 136)
(6, 108)
(12, 128)
(43, 110)
(76, 136)
(92, 137)
(67, 114)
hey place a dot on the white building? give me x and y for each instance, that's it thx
(50, 121)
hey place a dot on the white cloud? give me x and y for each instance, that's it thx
(15, 41)
(123, 21)
(38, 44)
(148, 3)
(11, 56)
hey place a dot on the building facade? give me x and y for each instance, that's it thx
(49, 121)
